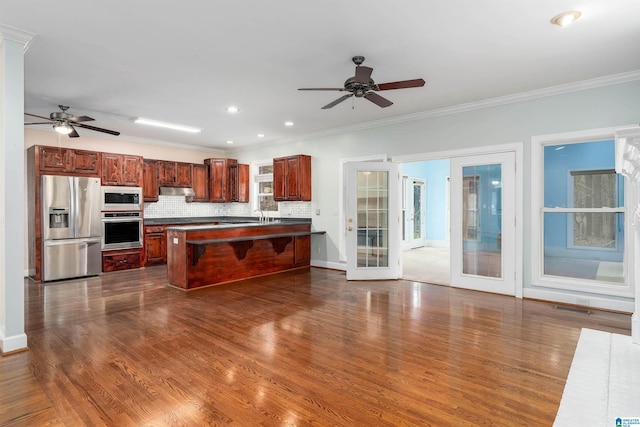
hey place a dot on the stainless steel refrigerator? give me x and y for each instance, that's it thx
(71, 227)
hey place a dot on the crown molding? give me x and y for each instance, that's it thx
(17, 35)
(462, 108)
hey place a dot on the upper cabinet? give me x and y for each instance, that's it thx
(292, 178)
(174, 174)
(150, 180)
(121, 169)
(228, 181)
(56, 160)
(199, 183)
(219, 179)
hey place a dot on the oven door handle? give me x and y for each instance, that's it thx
(129, 219)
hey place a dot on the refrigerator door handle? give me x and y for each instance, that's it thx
(63, 242)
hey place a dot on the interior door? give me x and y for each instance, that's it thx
(373, 221)
(483, 229)
(418, 213)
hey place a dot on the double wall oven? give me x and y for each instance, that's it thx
(121, 218)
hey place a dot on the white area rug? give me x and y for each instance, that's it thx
(603, 387)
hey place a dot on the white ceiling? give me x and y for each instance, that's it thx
(186, 61)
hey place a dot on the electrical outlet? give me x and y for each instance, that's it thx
(318, 249)
(175, 240)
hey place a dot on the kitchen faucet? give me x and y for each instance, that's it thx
(261, 215)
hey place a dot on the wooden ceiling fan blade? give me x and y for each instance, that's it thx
(337, 101)
(363, 74)
(74, 133)
(404, 84)
(321, 88)
(377, 99)
(40, 117)
(111, 132)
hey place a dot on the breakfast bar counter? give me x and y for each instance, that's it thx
(206, 255)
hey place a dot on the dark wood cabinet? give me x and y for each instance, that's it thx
(155, 245)
(219, 179)
(56, 160)
(292, 178)
(302, 250)
(239, 183)
(149, 181)
(121, 169)
(121, 260)
(174, 174)
(199, 183)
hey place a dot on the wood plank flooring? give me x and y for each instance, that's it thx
(297, 348)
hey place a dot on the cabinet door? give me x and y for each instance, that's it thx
(166, 173)
(150, 181)
(200, 183)
(153, 243)
(54, 159)
(233, 183)
(184, 173)
(86, 163)
(243, 183)
(302, 250)
(292, 186)
(219, 179)
(131, 171)
(111, 169)
(279, 178)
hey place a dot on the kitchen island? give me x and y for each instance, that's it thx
(204, 255)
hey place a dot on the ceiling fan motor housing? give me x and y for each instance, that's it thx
(358, 89)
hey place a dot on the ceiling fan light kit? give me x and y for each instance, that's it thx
(361, 85)
(64, 123)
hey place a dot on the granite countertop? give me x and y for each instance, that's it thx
(226, 225)
(222, 220)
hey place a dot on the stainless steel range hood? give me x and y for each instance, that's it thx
(177, 191)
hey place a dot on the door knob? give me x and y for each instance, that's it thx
(350, 228)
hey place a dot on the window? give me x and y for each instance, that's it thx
(263, 184)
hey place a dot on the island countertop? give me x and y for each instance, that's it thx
(217, 219)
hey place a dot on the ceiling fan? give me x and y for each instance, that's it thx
(363, 86)
(64, 122)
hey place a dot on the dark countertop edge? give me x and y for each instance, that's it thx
(222, 225)
(221, 219)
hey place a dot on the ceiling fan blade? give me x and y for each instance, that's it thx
(74, 133)
(404, 84)
(40, 117)
(337, 101)
(81, 119)
(321, 88)
(111, 132)
(377, 99)
(363, 74)
(39, 123)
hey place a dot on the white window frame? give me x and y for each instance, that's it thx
(255, 183)
(538, 143)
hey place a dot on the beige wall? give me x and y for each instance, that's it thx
(107, 145)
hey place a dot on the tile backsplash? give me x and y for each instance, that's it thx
(176, 207)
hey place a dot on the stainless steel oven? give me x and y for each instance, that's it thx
(121, 198)
(121, 230)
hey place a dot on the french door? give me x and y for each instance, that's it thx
(483, 228)
(373, 221)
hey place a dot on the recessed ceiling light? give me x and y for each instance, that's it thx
(288, 123)
(260, 135)
(232, 109)
(166, 125)
(565, 18)
(229, 142)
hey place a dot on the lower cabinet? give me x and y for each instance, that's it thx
(155, 246)
(121, 260)
(302, 250)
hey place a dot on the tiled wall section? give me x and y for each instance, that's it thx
(176, 207)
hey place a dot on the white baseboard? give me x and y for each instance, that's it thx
(438, 243)
(13, 343)
(326, 264)
(594, 301)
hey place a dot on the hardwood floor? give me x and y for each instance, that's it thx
(296, 348)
